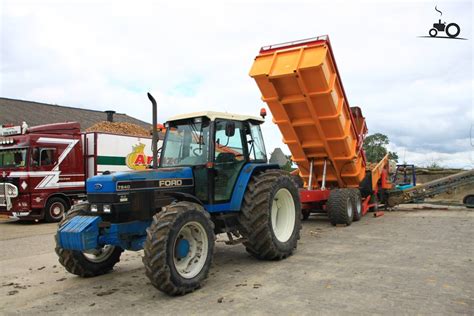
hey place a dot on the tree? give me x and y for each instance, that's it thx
(375, 148)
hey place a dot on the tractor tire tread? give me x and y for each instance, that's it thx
(255, 216)
(155, 248)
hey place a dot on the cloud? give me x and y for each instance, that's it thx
(196, 55)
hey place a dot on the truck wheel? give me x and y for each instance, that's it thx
(356, 199)
(179, 248)
(270, 218)
(339, 207)
(55, 209)
(89, 263)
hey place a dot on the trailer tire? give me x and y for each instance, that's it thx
(55, 209)
(84, 264)
(268, 194)
(339, 207)
(179, 233)
(356, 204)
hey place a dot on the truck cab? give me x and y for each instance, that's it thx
(41, 170)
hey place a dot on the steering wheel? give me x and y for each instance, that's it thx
(195, 150)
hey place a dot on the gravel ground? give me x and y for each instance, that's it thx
(406, 262)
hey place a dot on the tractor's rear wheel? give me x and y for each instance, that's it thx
(88, 263)
(449, 30)
(271, 215)
(356, 204)
(339, 207)
(179, 248)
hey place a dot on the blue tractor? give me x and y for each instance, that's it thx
(213, 178)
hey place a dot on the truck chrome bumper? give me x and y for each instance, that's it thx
(7, 192)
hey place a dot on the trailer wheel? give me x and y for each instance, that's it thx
(356, 204)
(339, 207)
(270, 218)
(88, 263)
(55, 209)
(179, 248)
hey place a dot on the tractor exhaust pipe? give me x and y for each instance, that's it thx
(154, 141)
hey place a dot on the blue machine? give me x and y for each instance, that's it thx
(213, 177)
(405, 176)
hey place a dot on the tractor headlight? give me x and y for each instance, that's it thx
(107, 208)
(94, 208)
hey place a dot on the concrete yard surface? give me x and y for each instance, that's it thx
(406, 262)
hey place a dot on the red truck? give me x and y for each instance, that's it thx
(43, 168)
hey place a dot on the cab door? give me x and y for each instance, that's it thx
(230, 155)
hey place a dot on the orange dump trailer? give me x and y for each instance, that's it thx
(300, 83)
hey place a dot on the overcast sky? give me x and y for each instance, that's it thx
(196, 55)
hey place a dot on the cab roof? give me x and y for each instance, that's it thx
(215, 115)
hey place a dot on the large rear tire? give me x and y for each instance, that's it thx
(339, 207)
(449, 28)
(270, 218)
(356, 199)
(179, 248)
(88, 263)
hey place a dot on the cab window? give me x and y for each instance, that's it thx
(256, 146)
(41, 157)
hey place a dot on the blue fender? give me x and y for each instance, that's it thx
(239, 189)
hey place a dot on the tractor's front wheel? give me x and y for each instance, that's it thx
(88, 263)
(271, 215)
(179, 248)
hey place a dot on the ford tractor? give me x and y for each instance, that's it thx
(212, 178)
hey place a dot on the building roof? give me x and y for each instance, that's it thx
(215, 115)
(15, 112)
(278, 157)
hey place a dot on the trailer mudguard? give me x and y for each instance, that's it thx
(239, 189)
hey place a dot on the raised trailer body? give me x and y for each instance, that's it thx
(300, 83)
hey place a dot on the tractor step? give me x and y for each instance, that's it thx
(233, 241)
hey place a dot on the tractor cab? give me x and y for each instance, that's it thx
(216, 146)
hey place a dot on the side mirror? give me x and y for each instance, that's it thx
(230, 129)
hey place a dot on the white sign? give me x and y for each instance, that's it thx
(9, 131)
